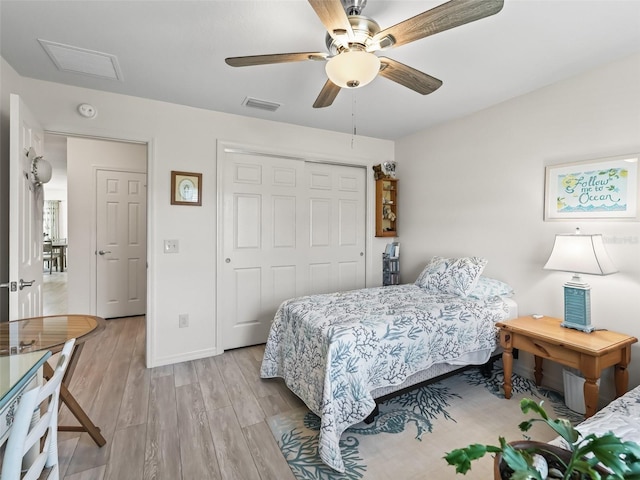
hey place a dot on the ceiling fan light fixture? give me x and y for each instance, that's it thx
(353, 69)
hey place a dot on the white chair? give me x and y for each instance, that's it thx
(32, 424)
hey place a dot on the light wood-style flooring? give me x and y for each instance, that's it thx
(197, 420)
(54, 291)
(203, 419)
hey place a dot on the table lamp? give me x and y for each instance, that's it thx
(578, 254)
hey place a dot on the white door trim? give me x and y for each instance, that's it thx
(150, 354)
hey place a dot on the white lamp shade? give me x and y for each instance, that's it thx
(353, 69)
(580, 254)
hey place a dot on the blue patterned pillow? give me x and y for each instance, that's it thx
(456, 276)
(490, 287)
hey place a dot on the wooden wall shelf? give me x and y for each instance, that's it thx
(386, 207)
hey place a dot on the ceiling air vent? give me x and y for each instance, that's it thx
(261, 104)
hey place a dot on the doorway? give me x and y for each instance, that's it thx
(55, 227)
(80, 160)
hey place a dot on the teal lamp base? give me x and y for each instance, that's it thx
(577, 326)
(577, 307)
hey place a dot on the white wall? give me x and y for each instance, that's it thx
(476, 187)
(185, 138)
(84, 157)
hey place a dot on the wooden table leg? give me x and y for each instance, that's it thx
(86, 424)
(591, 395)
(507, 362)
(621, 378)
(621, 374)
(537, 372)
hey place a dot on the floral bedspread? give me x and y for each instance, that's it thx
(332, 350)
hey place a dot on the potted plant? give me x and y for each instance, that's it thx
(584, 459)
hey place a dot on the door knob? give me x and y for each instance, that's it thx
(102, 252)
(23, 284)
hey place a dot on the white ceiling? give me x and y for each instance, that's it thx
(174, 51)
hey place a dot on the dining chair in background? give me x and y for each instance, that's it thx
(35, 427)
(50, 255)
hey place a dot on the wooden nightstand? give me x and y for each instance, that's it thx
(588, 352)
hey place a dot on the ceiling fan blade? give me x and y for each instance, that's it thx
(275, 58)
(327, 95)
(333, 17)
(408, 76)
(443, 17)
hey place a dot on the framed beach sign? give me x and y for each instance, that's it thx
(604, 189)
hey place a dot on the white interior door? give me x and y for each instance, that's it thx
(121, 239)
(289, 228)
(26, 202)
(336, 242)
(262, 215)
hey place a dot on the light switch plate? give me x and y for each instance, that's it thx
(171, 246)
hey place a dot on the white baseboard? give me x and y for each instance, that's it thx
(183, 357)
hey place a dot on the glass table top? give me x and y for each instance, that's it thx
(16, 370)
(45, 333)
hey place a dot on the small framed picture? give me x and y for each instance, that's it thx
(186, 188)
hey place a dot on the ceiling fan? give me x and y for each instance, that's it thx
(352, 40)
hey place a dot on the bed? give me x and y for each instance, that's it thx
(621, 417)
(340, 351)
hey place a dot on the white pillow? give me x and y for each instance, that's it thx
(456, 276)
(490, 287)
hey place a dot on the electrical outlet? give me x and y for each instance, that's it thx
(171, 246)
(183, 320)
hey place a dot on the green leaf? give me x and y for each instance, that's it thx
(527, 404)
(564, 428)
(461, 458)
(611, 451)
(525, 426)
(584, 467)
(561, 426)
(520, 462)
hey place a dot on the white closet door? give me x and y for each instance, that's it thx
(288, 229)
(263, 213)
(336, 242)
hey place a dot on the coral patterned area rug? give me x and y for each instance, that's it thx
(415, 430)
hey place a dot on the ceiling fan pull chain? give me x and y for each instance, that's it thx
(353, 118)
